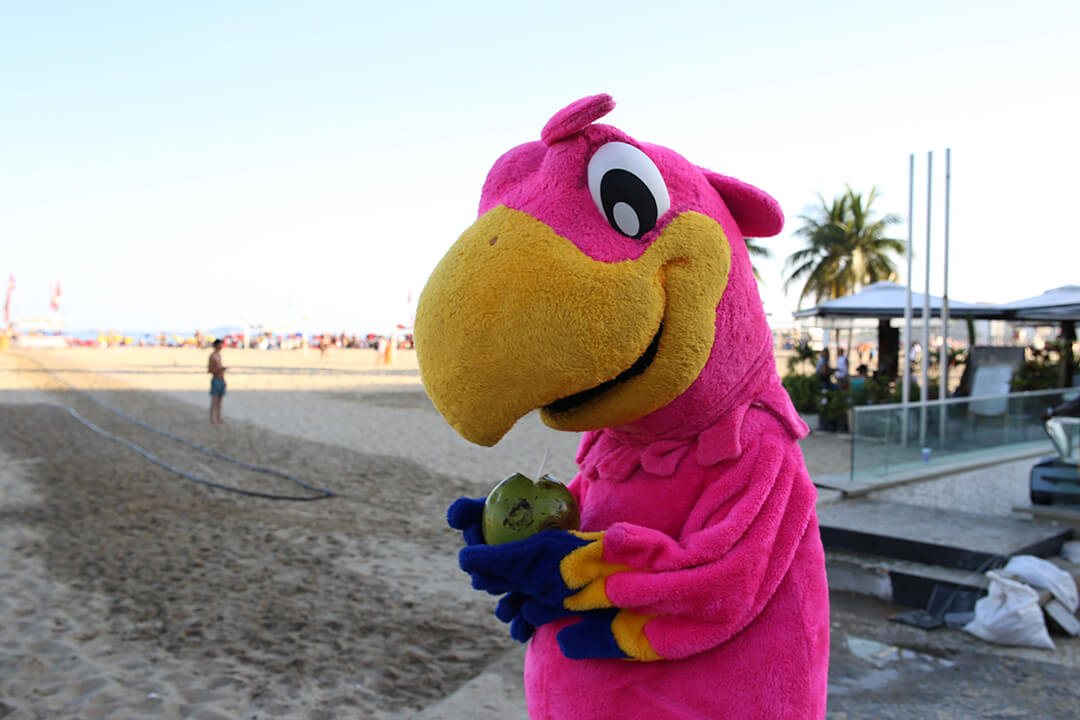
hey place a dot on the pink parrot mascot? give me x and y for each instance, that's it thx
(606, 283)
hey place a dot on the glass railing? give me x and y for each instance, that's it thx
(887, 440)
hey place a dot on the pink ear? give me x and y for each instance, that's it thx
(755, 211)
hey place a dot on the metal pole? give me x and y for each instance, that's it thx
(943, 391)
(925, 361)
(905, 347)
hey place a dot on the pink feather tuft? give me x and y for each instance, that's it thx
(575, 117)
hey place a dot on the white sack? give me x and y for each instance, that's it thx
(1042, 574)
(1010, 615)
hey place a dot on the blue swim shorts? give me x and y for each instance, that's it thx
(217, 387)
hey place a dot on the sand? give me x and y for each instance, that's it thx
(130, 592)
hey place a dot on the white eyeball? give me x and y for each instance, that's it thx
(627, 188)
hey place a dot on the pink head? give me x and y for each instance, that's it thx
(549, 180)
(661, 274)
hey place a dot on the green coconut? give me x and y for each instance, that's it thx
(519, 507)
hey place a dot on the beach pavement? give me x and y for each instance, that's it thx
(130, 592)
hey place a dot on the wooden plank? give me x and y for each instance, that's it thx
(1060, 618)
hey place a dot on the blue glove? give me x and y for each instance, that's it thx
(522, 613)
(526, 614)
(466, 514)
(529, 572)
(530, 566)
(594, 637)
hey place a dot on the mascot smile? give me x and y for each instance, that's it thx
(606, 284)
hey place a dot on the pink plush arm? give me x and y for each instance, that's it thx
(706, 588)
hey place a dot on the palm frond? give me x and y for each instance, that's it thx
(846, 247)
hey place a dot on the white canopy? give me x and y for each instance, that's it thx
(1055, 305)
(886, 300)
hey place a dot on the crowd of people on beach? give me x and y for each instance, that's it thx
(319, 341)
(233, 340)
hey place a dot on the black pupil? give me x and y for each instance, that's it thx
(621, 186)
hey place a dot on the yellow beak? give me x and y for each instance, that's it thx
(516, 318)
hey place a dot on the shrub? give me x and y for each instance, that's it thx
(1041, 371)
(875, 391)
(804, 391)
(915, 394)
(834, 407)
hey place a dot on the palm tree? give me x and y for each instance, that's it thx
(803, 355)
(759, 251)
(847, 248)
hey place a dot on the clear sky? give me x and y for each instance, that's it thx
(198, 164)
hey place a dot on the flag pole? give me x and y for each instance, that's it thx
(924, 394)
(7, 300)
(944, 364)
(905, 397)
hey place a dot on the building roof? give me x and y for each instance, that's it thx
(1054, 305)
(886, 300)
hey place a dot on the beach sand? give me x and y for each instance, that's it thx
(130, 592)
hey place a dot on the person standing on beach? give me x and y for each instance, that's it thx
(216, 368)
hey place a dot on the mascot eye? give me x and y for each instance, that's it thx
(627, 188)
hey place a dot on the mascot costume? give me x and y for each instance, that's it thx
(606, 284)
